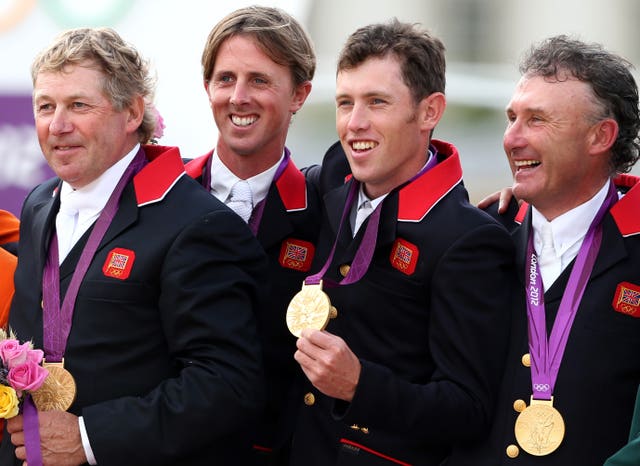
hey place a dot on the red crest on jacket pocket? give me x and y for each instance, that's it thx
(627, 299)
(296, 254)
(118, 264)
(404, 256)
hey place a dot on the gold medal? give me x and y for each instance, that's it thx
(539, 428)
(58, 392)
(309, 308)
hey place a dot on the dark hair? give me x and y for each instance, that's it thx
(421, 55)
(610, 78)
(276, 33)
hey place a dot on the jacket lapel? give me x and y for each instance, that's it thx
(43, 221)
(275, 224)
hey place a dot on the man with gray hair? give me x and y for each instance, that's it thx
(572, 372)
(138, 285)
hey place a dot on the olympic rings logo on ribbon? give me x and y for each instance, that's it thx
(541, 387)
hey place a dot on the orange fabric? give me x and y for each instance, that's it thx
(9, 226)
(7, 266)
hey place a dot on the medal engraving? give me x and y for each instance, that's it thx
(309, 308)
(539, 428)
(58, 392)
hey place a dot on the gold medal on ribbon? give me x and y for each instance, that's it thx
(309, 308)
(539, 428)
(58, 392)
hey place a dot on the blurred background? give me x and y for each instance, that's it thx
(484, 40)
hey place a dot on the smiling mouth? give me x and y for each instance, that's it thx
(363, 145)
(520, 164)
(243, 121)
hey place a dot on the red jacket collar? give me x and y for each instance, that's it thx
(624, 212)
(292, 188)
(417, 198)
(157, 178)
(195, 167)
(291, 184)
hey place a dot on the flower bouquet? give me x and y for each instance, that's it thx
(20, 372)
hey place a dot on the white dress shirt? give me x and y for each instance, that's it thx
(223, 179)
(568, 232)
(364, 208)
(87, 203)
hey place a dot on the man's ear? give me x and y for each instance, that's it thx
(603, 136)
(431, 110)
(136, 114)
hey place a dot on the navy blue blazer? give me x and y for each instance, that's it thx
(600, 372)
(165, 355)
(428, 321)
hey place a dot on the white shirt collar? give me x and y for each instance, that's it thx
(91, 199)
(570, 228)
(223, 179)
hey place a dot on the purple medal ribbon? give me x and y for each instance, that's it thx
(364, 253)
(56, 318)
(31, 432)
(546, 355)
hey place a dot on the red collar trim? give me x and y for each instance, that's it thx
(625, 211)
(522, 212)
(157, 178)
(292, 188)
(418, 197)
(195, 166)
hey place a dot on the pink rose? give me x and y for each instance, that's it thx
(158, 131)
(27, 376)
(35, 355)
(13, 353)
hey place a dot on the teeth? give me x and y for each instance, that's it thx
(364, 145)
(526, 163)
(243, 121)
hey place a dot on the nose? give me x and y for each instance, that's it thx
(358, 118)
(60, 123)
(240, 94)
(513, 136)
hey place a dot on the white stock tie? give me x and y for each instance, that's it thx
(240, 200)
(363, 212)
(550, 264)
(66, 223)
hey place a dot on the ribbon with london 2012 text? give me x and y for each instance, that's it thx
(546, 354)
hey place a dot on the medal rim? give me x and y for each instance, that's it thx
(45, 401)
(299, 305)
(521, 432)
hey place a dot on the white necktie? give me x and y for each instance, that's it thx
(240, 200)
(363, 212)
(550, 264)
(66, 222)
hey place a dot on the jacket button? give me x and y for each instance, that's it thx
(513, 451)
(526, 360)
(309, 399)
(344, 269)
(519, 405)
